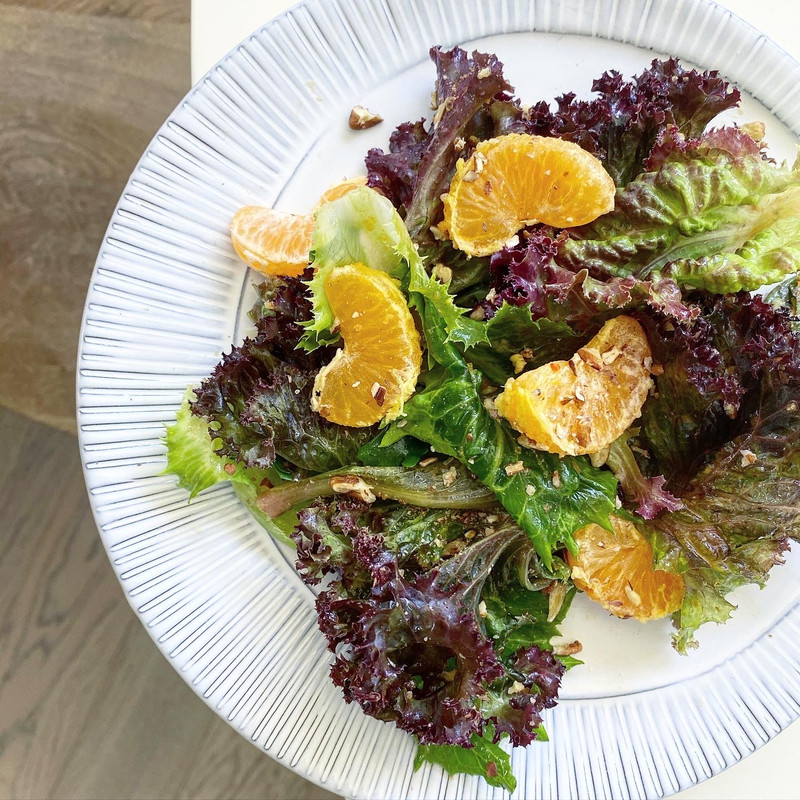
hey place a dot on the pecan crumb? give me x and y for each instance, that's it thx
(569, 649)
(610, 356)
(591, 357)
(748, 458)
(354, 486)
(449, 476)
(600, 457)
(378, 392)
(478, 313)
(755, 130)
(491, 407)
(454, 547)
(515, 468)
(361, 118)
(442, 273)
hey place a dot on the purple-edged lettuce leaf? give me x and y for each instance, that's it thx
(420, 162)
(528, 274)
(707, 217)
(737, 475)
(541, 311)
(257, 399)
(412, 643)
(708, 369)
(394, 173)
(622, 123)
(741, 512)
(647, 496)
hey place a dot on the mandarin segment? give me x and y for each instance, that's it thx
(615, 569)
(580, 406)
(517, 180)
(340, 190)
(271, 241)
(376, 372)
(277, 242)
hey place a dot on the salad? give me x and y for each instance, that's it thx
(536, 351)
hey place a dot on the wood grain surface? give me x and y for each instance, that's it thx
(84, 85)
(89, 708)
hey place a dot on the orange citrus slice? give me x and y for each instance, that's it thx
(271, 241)
(277, 242)
(616, 571)
(376, 372)
(582, 405)
(517, 180)
(340, 190)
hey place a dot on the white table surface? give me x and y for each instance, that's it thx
(771, 773)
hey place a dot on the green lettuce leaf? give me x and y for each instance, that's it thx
(434, 486)
(420, 536)
(716, 201)
(548, 496)
(519, 618)
(484, 758)
(405, 452)
(193, 458)
(192, 454)
(768, 257)
(362, 226)
(513, 331)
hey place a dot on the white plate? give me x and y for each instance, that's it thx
(268, 125)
